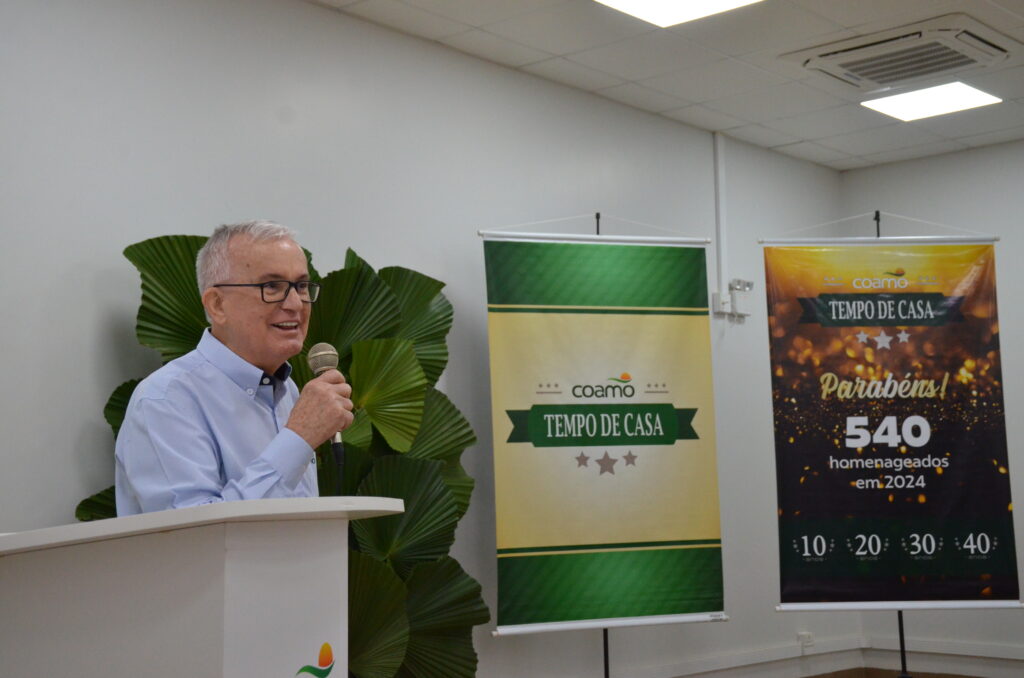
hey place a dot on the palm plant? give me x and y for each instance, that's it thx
(415, 605)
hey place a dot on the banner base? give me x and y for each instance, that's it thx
(522, 629)
(901, 605)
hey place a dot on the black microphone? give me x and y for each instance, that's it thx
(323, 357)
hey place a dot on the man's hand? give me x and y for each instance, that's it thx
(323, 408)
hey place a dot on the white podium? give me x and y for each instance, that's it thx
(240, 589)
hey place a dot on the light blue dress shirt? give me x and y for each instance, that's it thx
(210, 427)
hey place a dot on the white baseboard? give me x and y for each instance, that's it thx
(825, 650)
(946, 646)
(785, 660)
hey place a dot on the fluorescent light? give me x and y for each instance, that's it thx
(924, 103)
(667, 13)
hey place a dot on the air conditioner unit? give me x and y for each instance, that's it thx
(927, 51)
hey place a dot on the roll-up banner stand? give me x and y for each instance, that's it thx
(604, 433)
(890, 435)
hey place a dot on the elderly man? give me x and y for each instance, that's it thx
(225, 421)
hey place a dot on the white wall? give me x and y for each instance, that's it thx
(980, 191)
(125, 119)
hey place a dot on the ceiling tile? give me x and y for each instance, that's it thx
(1005, 84)
(765, 25)
(641, 97)
(975, 121)
(1002, 136)
(572, 74)
(770, 60)
(784, 101)
(400, 16)
(761, 136)
(714, 80)
(913, 152)
(859, 12)
(997, 14)
(881, 139)
(848, 163)
(334, 3)
(704, 118)
(830, 122)
(808, 150)
(480, 12)
(494, 48)
(572, 27)
(646, 55)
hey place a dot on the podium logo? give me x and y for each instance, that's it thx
(325, 663)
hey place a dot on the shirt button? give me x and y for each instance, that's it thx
(249, 391)
(266, 380)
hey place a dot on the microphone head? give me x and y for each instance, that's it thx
(322, 357)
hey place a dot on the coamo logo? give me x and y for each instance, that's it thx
(325, 663)
(621, 389)
(896, 282)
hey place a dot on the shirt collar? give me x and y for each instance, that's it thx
(244, 374)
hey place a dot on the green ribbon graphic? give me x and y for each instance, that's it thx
(318, 671)
(595, 425)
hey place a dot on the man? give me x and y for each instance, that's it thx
(225, 421)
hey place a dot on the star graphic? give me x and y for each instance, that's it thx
(904, 336)
(862, 337)
(883, 340)
(607, 464)
(581, 460)
(630, 458)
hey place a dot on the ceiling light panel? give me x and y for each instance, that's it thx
(926, 103)
(665, 13)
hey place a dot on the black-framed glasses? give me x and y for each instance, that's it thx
(274, 291)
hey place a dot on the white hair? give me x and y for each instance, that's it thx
(212, 263)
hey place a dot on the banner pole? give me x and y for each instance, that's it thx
(903, 647)
(604, 632)
(899, 613)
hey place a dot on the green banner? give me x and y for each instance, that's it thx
(601, 400)
(572, 425)
(603, 275)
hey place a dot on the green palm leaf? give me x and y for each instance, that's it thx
(361, 431)
(388, 383)
(170, 318)
(97, 507)
(415, 293)
(443, 435)
(426, 316)
(460, 484)
(444, 604)
(425, 531)
(378, 625)
(354, 304)
(117, 404)
(433, 357)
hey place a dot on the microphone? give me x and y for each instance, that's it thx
(323, 357)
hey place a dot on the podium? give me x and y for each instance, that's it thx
(241, 589)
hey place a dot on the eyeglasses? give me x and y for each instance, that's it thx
(274, 291)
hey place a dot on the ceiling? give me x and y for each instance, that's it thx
(723, 73)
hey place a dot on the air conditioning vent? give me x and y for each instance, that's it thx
(926, 51)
